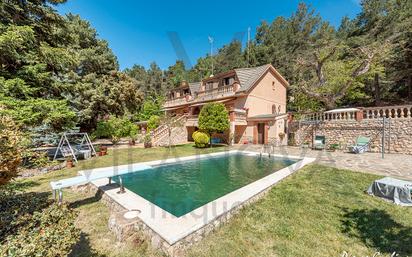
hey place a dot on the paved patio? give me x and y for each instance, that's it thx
(395, 165)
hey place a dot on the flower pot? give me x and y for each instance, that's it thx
(69, 164)
(147, 144)
(100, 153)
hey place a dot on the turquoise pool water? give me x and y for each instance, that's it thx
(182, 187)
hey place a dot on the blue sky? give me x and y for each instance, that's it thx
(137, 30)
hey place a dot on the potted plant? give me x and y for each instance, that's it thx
(133, 132)
(103, 150)
(281, 137)
(334, 147)
(69, 162)
(147, 140)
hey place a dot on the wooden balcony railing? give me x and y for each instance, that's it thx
(216, 91)
(209, 94)
(177, 101)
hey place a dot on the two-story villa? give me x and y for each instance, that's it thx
(254, 97)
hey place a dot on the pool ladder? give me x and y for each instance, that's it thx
(266, 149)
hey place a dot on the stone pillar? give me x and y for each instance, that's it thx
(359, 115)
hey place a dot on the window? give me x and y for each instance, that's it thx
(209, 86)
(274, 109)
(273, 85)
(228, 81)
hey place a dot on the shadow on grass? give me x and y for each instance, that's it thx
(83, 248)
(377, 229)
(86, 201)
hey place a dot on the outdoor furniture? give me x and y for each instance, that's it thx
(361, 146)
(79, 145)
(319, 143)
(396, 190)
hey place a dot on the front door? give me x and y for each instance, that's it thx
(261, 133)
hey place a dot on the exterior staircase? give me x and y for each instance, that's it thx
(178, 134)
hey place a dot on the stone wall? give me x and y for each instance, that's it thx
(398, 133)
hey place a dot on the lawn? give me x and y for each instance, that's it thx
(319, 211)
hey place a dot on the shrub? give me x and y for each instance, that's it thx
(33, 159)
(147, 140)
(214, 118)
(201, 139)
(114, 128)
(153, 122)
(103, 130)
(33, 226)
(12, 148)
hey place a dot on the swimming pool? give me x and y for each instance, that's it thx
(179, 200)
(181, 187)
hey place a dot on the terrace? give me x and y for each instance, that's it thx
(212, 89)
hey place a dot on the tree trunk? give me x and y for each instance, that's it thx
(377, 90)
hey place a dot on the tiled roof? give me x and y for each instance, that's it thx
(248, 76)
(194, 87)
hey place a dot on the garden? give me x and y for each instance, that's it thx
(336, 212)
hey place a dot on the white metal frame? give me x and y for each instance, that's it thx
(64, 142)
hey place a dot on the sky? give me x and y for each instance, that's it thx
(139, 32)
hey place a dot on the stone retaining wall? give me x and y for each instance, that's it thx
(398, 133)
(124, 229)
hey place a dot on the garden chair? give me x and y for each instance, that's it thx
(319, 143)
(361, 146)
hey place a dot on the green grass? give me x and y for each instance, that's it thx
(319, 211)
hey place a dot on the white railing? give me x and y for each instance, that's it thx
(322, 116)
(394, 112)
(369, 113)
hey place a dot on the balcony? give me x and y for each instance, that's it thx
(215, 93)
(177, 101)
(206, 95)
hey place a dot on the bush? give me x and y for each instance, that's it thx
(103, 130)
(12, 148)
(153, 122)
(33, 226)
(201, 139)
(214, 118)
(114, 128)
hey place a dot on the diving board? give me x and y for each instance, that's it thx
(88, 176)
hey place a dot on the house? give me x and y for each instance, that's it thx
(255, 98)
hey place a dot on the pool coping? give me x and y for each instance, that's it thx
(172, 229)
